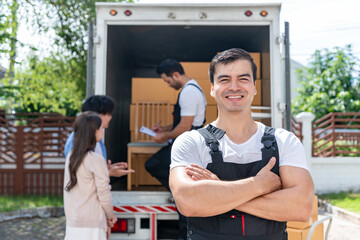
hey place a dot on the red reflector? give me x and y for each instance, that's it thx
(127, 12)
(248, 13)
(120, 226)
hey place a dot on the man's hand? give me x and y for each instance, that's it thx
(197, 172)
(161, 137)
(270, 181)
(157, 128)
(118, 169)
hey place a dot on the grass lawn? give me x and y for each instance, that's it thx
(347, 200)
(11, 203)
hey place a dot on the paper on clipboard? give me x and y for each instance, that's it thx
(147, 131)
(150, 132)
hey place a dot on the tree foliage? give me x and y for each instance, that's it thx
(55, 83)
(43, 86)
(329, 84)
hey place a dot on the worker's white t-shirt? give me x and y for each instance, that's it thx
(190, 147)
(193, 103)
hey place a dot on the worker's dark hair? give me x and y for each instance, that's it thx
(98, 103)
(85, 127)
(169, 66)
(230, 56)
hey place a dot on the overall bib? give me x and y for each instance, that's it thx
(235, 224)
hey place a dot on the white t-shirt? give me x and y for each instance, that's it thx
(190, 147)
(193, 103)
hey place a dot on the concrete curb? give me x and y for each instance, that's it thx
(327, 207)
(41, 212)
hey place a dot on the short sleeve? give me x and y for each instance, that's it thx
(185, 150)
(292, 152)
(190, 99)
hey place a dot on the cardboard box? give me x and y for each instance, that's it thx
(200, 70)
(152, 89)
(301, 234)
(196, 70)
(206, 87)
(211, 113)
(257, 98)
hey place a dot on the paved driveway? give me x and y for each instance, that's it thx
(54, 229)
(33, 229)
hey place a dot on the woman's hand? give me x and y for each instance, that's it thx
(110, 222)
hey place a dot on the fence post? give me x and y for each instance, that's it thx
(306, 119)
(19, 146)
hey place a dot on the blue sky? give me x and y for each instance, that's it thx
(314, 24)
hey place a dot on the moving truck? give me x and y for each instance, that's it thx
(130, 41)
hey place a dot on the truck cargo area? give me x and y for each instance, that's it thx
(134, 51)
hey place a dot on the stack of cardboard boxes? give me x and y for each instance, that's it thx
(156, 90)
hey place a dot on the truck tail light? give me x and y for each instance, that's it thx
(248, 13)
(124, 225)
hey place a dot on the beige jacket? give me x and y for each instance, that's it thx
(89, 202)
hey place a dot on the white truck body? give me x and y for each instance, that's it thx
(138, 37)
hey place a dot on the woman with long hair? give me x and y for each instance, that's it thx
(87, 198)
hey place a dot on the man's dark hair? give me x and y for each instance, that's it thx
(99, 104)
(229, 56)
(169, 66)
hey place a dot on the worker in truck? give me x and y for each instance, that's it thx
(104, 106)
(237, 178)
(189, 113)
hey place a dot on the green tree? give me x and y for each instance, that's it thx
(44, 86)
(69, 20)
(329, 84)
(55, 83)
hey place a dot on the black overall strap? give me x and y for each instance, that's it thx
(270, 148)
(211, 135)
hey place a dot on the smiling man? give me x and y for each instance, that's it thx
(237, 178)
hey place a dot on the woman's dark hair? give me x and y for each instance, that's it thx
(229, 56)
(85, 127)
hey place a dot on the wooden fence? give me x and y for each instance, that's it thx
(296, 128)
(31, 153)
(336, 134)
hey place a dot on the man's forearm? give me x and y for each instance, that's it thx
(290, 204)
(209, 197)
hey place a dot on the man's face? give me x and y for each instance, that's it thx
(172, 81)
(105, 118)
(233, 87)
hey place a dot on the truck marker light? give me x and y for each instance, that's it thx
(113, 12)
(248, 13)
(264, 13)
(127, 13)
